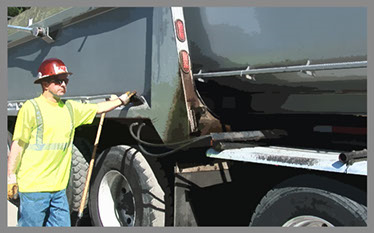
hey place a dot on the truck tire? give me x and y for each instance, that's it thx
(78, 174)
(124, 190)
(304, 206)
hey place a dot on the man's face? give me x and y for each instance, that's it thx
(57, 85)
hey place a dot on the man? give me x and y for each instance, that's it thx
(39, 161)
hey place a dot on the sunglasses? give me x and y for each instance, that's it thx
(59, 81)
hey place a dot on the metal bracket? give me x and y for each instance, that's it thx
(308, 72)
(200, 79)
(30, 22)
(247, 75)
(42, 32)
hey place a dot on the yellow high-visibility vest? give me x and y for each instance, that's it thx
(48, 130)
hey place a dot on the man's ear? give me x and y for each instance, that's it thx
(44, 85)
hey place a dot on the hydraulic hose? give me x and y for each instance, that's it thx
(181, 145)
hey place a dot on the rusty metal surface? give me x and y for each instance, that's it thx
(291, 157)
(201, 168)
(198, 181)
(200, 120)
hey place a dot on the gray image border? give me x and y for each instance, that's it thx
(303, 3)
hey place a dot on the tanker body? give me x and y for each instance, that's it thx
(224, 94)
(227, 39)
(242, 58)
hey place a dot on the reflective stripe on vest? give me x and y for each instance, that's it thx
(39, 123)
(39, 145)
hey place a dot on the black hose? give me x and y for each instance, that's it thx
(137, 138)
(181, 144)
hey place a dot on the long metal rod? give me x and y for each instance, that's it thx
(20, 28)
(327, 66)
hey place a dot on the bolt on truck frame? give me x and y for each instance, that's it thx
(245, 116)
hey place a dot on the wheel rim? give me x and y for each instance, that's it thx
(116, 203)
(307, 221)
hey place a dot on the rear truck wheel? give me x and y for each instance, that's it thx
(124, 190)
(81, 152)
(78, 175)
(304, 206)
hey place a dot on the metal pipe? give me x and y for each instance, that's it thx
(327, 66)
(20, 28)
(354, 155)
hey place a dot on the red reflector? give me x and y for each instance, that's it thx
(180, 30)
(349, 130)
(340, 129)
(185, 61)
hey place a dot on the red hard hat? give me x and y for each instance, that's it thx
(51, 67)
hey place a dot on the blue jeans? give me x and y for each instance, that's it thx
(39, 209)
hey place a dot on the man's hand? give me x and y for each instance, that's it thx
(125, 98)
(12, 187)
(115, 102)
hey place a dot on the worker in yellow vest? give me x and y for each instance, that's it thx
(39, 161)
